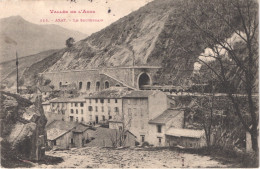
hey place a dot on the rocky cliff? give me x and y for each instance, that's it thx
(23, 133)
(149, 36)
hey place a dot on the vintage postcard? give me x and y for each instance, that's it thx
(129, 83)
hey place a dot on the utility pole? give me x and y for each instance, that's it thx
(17, 85)
(133, 70)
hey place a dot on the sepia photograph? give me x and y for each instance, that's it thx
(129, 83)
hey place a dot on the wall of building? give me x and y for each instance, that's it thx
(154, 135)
(124, 75)
(136, 109)
(64, 141)
(157, 104)
(186, 141)
(106, 109)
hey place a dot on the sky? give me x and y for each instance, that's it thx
(39, 11)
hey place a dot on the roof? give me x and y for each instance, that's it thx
(140, 94)
(58, 128)
(165, 116)
(117, 92)
(78, 99)
(185, 133)
(60, 100)
(80, 128)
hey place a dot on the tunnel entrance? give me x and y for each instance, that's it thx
(144, 80)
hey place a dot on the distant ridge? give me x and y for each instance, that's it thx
(27, 38)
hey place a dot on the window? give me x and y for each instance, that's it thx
(109, 109)
(102, 108)
(159, 128)
(120, 128)
(109, 117)
(63, 112)
(80, 85)
(96, 100)
(115, 100)
(116, 109)
(71, 141)
(104, 118)
(88, 86)
(90, 108)
(76, 104)
(77, 119)
(54, 142)
(159, 140)
(90, 101)
(81, 104)
(101, 100)
(106, 84)
(108, 100)
(77, 111)
(71, 111)
(96, 109)
(141, 112)
(81, 111)
(60, 84)
(142, 138)
(82, 119)
(71, 118)
(97, 86)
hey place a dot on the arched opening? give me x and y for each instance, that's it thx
(106, 84)
(97, 86)
(80, 85)
(88, 86)
(144, 80)
(117, 85)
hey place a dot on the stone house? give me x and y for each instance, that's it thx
(170, 118)
(186, 138)
(138, 107)
(64, 135)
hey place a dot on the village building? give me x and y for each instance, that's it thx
(139, 107)
(186, 138)
(59, 106)
(64, 135)
(170, 118)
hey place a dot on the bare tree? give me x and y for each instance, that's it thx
(123, 125)
(232, 53)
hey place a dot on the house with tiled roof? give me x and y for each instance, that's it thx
(186, 138)
(63, 135)
(170, 118)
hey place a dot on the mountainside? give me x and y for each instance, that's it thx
(8, 68)
(156, 34)
(147, 33)
(28, 38)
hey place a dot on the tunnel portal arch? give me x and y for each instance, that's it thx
(144, 79)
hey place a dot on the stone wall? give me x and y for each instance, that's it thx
(115, 76)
